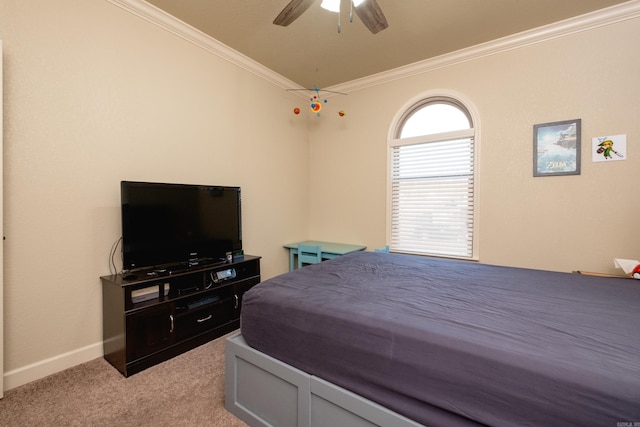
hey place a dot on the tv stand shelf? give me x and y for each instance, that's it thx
(149, 318)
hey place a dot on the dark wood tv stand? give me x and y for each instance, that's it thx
(155, 316)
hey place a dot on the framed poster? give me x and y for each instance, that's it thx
(556, 148)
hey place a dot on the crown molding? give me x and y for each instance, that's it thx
(152, 14)
(586, 22)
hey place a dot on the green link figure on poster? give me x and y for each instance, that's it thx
(606, 148)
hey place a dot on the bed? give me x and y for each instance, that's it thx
(389, 339)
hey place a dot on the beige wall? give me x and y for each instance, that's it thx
(94, 95)
(558, 223)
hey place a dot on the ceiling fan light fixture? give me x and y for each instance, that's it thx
(331, 5)
(368, 11)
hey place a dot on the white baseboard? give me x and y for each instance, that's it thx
(43, 368)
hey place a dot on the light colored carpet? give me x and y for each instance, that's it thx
(187, 390)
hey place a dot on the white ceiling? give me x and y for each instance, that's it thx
(310, 51)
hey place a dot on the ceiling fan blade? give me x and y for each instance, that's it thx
(292, 11)
(371, 16)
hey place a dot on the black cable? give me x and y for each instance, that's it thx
(112, 254)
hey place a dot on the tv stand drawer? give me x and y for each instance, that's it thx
(204, 318)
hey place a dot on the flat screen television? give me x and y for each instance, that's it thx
(178, 224)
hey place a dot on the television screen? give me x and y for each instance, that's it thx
(178, 224)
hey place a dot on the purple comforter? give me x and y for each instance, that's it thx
(448, 342)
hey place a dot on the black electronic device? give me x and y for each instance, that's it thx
(178, 224)
(203, 302)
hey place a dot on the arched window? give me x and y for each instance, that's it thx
(432, 202)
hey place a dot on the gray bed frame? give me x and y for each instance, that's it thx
(262, 391)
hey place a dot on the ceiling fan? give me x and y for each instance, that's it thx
(368, 11)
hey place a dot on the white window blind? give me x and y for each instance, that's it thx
(432, 197)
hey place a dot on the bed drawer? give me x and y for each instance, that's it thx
(265, 392)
